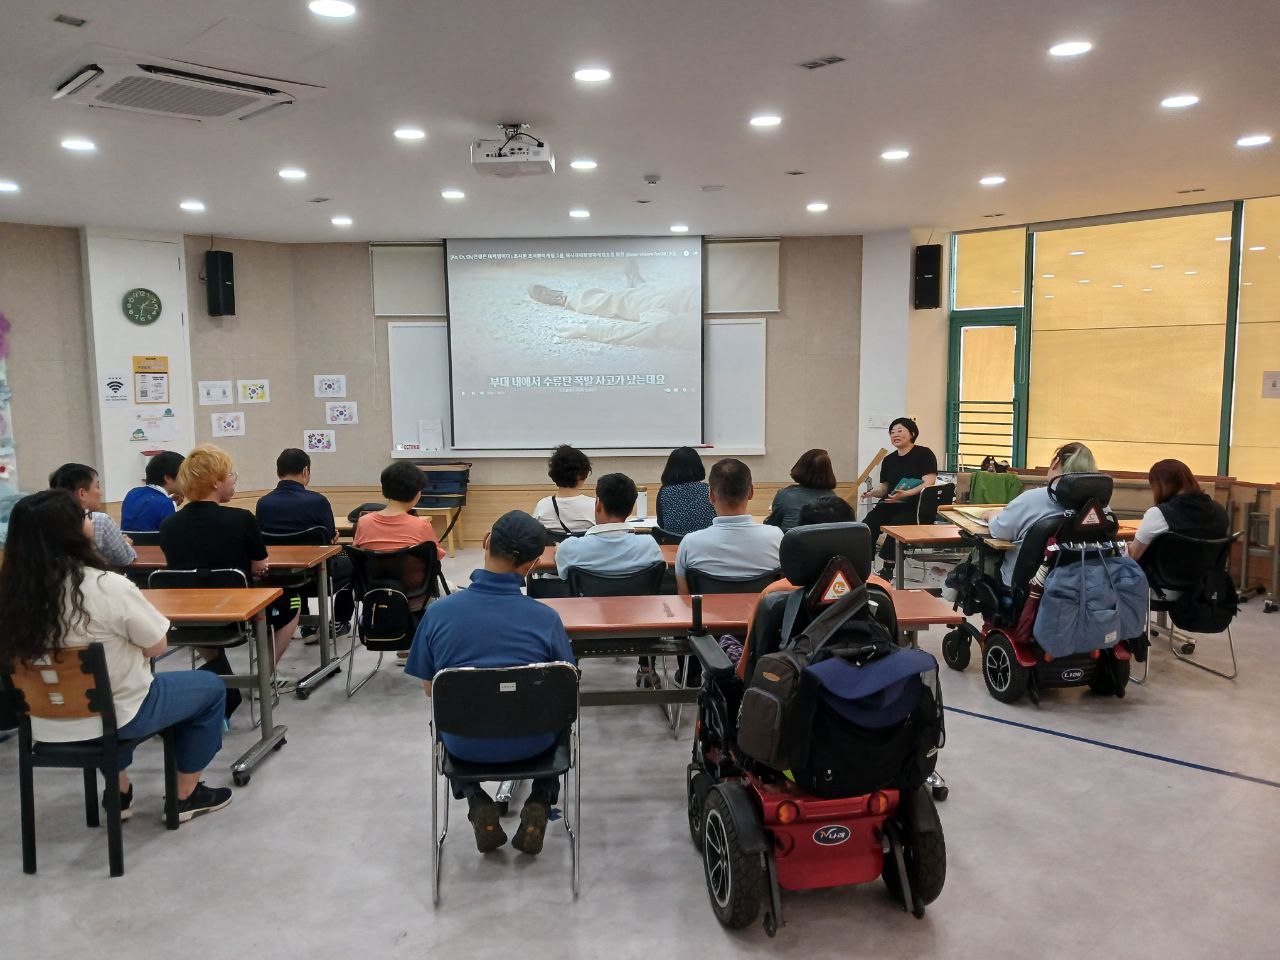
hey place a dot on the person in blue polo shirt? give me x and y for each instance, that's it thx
(734, 547)
(493, 624)
(291, 507)
(145, 507)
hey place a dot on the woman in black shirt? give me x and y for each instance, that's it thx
(903, 474)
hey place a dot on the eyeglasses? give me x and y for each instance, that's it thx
(88, 514)
(233, 477)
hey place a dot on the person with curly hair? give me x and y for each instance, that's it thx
(567, 511)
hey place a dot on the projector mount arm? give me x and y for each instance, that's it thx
(514, 131)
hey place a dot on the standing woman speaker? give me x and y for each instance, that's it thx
(903, 475)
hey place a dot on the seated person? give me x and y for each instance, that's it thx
(204, 535)
(1012, 522)
(814, 480)
(903, 475)
(144, 507)
(568, 510)
(82, 482)
(55, 594)
(683, 505)
(291, 507)
(610, 547)
(1180, 507)
(734, 547)
(493, 624)
(395, 526)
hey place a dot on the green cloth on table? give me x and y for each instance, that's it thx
(988, 487)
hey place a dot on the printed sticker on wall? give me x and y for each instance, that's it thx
(151, 379)
(331, 384)
(154, 426)
(341, 412)
(215, 393)
(229, 424)
(319, 441)
(115, 388)
(253, 391)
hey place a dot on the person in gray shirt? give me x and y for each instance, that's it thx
(82, 481)
(734, 546)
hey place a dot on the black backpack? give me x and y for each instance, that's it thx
(1210, 606)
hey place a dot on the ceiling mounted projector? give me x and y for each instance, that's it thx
(517, 154)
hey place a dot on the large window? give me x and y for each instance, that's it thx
(1128, 340)
(989, 267)
(1255, 425)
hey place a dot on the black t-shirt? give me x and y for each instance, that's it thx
(205, 536)
(910, 466)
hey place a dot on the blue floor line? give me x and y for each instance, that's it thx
(1114, 746)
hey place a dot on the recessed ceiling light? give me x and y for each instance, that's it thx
(766, 120)
(195, 206)
(338, 9)
(679, 228)
(79, 145)
(1256, 249)
(8, 186)
(1076, 253)
(411, 133)
(1247, 283)
(1048, 276)
(1157, 266)
(583, 164)
(1254, 140)
(1084, 281)
(1146, 289)
(1189, 273)
(1221, 239)
(1048, 296)
(994, 180)
(452, 194)
(591, 74)
(895, 153)
(293, 173)
(340, 221)
(1070, 48)
(1180, 100)
(579, 214)
(817, 207)
(1117, 286)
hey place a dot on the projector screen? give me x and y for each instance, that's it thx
(593, 341)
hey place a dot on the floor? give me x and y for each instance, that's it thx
(1056, 846)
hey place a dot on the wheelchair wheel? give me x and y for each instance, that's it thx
(925, 855)
(1006, 678)
(956, 648)
(699, 783)
(735, 879)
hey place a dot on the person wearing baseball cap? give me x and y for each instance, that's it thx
(493, 624)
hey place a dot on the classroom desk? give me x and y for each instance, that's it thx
(917, 536)
(547, 562)
(238, 605)
(288, 559)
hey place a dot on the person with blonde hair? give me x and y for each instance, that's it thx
(206, 535)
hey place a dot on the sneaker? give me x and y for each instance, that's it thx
(310, 636)
(126, 804)
(648, 679)
(885, 572)
(284, 683)
(533, 826)
(203, 800)
(342, 628)
(485, 821)
(547, 295)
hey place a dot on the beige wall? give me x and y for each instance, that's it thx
(42, 294)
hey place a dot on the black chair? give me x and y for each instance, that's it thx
(927, 504)
(391, 588)
(1175, 564)
(505, 702)
(355, 515)
(642, 583)
(700, 582)
(143, 538)
(74, 686)
(665, 536)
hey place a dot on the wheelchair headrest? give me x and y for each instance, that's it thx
(806, 551)
(1074, 490)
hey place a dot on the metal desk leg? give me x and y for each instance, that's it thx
(329, 663)
(1269, 605)
(899, 565)
(270, 737)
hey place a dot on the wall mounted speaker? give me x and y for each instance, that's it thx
(220, 283)
(928, 280)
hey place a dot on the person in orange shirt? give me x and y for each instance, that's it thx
(395, 527)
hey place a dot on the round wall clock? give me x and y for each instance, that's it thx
(141, 306)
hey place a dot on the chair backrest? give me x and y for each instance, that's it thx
(642, 583)
(700, 582)
(222, 578)
(74, 685)
(505, 701)
(560, 536)
(1178, 562)
(930, 498)
(143, 538)
(308, 537)
(665, 536)
(414, 571)
(806, 551)
(355, 515)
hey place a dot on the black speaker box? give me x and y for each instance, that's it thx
(220, 283)
(928, 285)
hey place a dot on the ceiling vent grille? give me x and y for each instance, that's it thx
(154, 95)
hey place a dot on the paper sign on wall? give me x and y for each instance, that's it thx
(1271, 384)
(151, 379)
(228, 424)
(331, 384)
(253, 391)
(431, 434)
(215, 393)
(115, 388)
(343, 411)
(319, 441)
(154, 426)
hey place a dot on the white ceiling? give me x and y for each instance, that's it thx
(967, 87)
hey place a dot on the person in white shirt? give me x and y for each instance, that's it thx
(734, 547)
(610, 547)
(568, 510)
(55, 594)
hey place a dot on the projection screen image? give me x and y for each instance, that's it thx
(591, 341)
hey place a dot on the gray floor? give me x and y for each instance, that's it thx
(1056, 847)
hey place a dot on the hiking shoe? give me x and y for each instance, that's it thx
(484, 817)
(126, 804)
(553, 298)
(203, 800)
(533, 826)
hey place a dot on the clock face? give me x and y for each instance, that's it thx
(141, 306)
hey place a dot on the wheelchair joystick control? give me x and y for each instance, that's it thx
(697, 614)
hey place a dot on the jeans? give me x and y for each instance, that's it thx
(190, 701)
(547, 786)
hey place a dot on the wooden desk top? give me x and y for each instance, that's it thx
(919, 608)
(278, 557)
(1127, 529)
(218, 606)
(660, 615)
(547, 562)
(924, 534)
